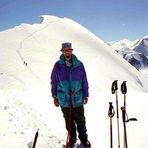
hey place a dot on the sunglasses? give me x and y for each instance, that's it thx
(66, 50)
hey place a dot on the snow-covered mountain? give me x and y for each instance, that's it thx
(122, 44)
(28, 53)
(142, 47)
(136, 52)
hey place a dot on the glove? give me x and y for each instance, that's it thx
(85, 100)
(56, 102)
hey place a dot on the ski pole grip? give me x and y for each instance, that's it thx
(114, 86)
(111, 111)
(123, 87)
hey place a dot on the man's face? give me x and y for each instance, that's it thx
(67, 52)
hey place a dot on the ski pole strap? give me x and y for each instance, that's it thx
(69, 118)
(111, 111)
(123, 114)
(71, 94)
(114, 86)
(70, 100)
(123, 87)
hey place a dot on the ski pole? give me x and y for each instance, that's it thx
(69, 119)
(124, 127)
(35, 138)
(124, 114)
(125, 119)
(124, 91)
(111, 113)
(114, 89)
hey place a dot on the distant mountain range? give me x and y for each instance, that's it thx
(136, 52)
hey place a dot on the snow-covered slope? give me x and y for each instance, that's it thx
(28, 53)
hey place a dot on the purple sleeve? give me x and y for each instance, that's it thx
(85, 84)
(54, 80)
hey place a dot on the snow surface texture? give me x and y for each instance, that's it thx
(28, 53)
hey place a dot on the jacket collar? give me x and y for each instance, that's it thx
(75, 61)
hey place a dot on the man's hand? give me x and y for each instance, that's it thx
(85, 100)
(56, 102)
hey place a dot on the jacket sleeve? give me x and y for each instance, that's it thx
(85, 83)
(54, 81)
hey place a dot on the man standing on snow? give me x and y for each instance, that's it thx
(69, 87)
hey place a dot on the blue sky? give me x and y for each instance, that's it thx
(111, 20)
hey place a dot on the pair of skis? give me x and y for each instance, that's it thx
(111, 113)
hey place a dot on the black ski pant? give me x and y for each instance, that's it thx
(77, 123)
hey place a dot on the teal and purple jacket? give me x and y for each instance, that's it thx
(65, 79)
